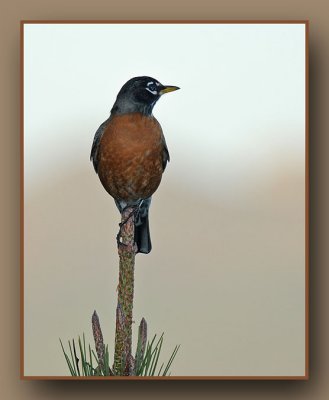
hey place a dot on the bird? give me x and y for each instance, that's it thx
(129, 152)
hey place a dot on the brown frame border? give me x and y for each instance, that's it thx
(307, 178)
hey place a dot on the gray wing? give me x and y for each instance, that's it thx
(165, 153)
(97, 139)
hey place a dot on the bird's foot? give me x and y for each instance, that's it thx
(130, 247)
(135, 213)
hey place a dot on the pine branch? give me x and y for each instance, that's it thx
(123, 359)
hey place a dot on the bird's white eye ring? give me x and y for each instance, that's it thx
(151, 87)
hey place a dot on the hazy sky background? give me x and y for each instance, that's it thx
(232, 195)
(242, 90)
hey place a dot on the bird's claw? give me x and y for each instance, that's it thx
(135, 213)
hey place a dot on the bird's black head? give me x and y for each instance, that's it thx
(140, 95)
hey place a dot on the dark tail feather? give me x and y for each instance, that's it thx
(142, 229)
(142, 235)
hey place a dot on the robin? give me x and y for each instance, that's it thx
(129, 152)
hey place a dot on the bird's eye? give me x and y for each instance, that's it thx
(151, 87)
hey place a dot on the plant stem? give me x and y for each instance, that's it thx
(123, 360)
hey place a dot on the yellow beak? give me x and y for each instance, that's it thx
(168, 89)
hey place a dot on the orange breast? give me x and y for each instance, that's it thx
(130, 156)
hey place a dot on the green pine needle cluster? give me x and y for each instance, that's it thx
(89, 362)
(147, 365)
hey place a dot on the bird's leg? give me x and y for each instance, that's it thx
(134, 212)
